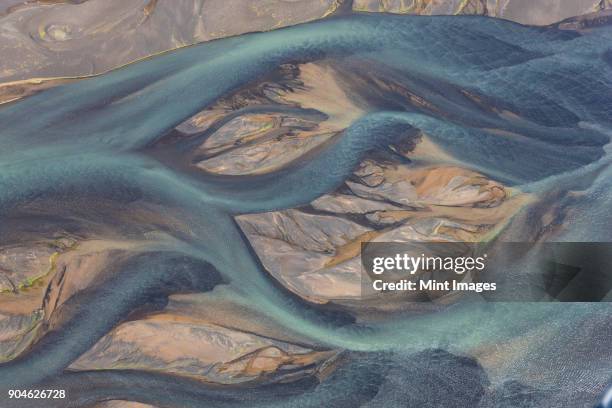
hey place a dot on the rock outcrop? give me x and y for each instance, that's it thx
(539, 12)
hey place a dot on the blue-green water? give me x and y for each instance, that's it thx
(91, 139)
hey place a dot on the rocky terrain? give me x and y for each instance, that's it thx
(42, 39)
(536, 12)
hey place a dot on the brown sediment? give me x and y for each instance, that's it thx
(261, 143)
(352, 248)
(271, 359)
(384, 201)
(195, 348)
(73, 266)
(122, 404)
(15, 90)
